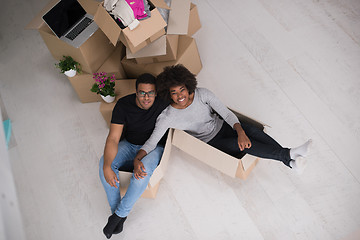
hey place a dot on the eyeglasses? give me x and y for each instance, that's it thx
(143, 94)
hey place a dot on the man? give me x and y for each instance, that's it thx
(133, 120)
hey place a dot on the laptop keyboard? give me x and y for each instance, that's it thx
(79, 28)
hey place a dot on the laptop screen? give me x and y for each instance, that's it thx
(63, 16)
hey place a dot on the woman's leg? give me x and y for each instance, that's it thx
(226, 141)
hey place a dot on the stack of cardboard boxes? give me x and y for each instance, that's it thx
(127, 53)
(124, 52)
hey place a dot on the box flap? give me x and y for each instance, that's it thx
(107, 24)
(247, 161)
(145, 29)
(37, 21)
(161, 169)
(194, 20)
(179, 17)
(90, 6)
(113, 63)
(156, 48)
(205, 153)
(160, 4)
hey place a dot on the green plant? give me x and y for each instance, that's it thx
(68, 63)
(103, 85)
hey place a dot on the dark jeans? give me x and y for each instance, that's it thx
(262, 145)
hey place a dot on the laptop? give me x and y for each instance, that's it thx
(69, 22)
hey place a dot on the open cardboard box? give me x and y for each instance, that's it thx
(229, 165)
(89, 58)
(147, 31)
(187, 54)
(183, 20)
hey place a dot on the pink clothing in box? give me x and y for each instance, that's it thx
(138, 8)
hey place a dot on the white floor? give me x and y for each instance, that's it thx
(294, 65)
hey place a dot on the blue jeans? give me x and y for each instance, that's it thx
(262, 145)
(124, 162)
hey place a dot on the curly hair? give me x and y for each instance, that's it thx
(172, 76)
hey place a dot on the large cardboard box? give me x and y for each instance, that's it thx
(91, 54)
(229, 165)
(113, 66)
(82, 84)
(147, 31)
(187, 54)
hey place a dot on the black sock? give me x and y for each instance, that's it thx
(119, 227)
(112, 223)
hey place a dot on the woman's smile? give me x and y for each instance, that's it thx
(180, 97)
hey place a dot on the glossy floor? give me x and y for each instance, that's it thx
(294, 65)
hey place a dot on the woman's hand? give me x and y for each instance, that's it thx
(243, 140)
(139, 169)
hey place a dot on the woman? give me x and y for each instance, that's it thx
(196, 111)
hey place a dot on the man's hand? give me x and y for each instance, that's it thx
(139, 169)
(110, 177)
(243, 141)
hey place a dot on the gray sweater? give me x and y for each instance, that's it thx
(198, 119)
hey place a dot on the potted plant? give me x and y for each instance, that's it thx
(105, 86)
(68, 66)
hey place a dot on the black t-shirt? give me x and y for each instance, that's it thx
(138, 123)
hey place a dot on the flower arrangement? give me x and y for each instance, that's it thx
(68, 63)
(103, 85)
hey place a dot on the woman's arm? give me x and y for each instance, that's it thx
(160, 129)
(229, 117)
(243, 140)
(209, 98)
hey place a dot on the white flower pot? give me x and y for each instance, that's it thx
(70, 73)
(108, 98)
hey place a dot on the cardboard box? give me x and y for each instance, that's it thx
(166, 50)
(148, 30)
(229, 165)
(154, 182)
(183, 20)
(187, 55)
(91, 54)
(178, 21)
(82, 84)
(112, 65)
